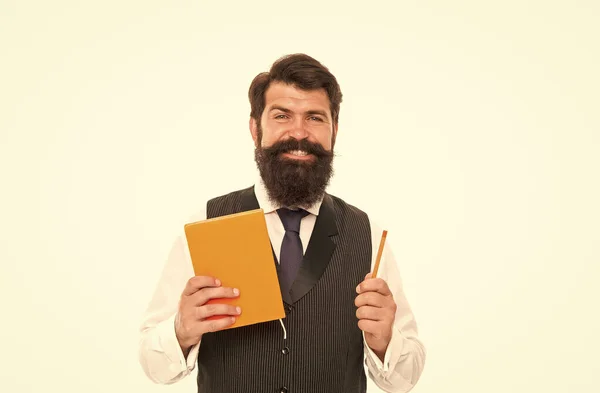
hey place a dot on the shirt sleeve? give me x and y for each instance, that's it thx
(160, 355)
(404, 359)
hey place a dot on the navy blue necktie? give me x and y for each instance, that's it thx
(292, 251)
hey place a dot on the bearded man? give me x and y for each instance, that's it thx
(338, 318)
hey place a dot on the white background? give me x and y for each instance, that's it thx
(469, 129)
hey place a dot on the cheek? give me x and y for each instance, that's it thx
(266, 140)
(272, 135)
(326, 140)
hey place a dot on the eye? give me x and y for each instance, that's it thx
(280, 116)
(315, 118)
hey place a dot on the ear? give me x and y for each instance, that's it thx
(254, 130)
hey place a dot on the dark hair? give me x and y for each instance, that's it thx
(301, 71)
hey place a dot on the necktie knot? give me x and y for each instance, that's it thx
(291, 218)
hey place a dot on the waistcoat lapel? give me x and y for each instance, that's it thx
(248, 199)
(318, 253)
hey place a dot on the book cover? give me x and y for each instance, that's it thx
(236, 249)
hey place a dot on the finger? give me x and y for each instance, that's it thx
(196, 283)
(374, 299)
(374, 285)
(216, 324)
(205, 294)
(209, 310)
(375, 328)
(372, 313)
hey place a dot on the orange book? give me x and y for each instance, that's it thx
(236, 249)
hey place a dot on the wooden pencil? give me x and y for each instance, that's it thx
(379, 253)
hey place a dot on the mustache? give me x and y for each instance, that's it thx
(291, 144)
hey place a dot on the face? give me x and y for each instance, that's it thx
(294, 144)
(297, 114)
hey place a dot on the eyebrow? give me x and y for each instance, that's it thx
(310, 112)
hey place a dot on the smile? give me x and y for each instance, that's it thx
(299, 153)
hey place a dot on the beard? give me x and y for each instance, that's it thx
(294, 183)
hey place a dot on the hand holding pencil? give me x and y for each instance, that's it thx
(376, 308)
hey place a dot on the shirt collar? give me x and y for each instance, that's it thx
(269, 206)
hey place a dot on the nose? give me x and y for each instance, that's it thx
(298, 130)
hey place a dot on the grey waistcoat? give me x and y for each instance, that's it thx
(323, 352)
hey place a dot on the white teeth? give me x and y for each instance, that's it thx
(298, 153)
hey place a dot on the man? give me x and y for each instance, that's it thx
(337, 316)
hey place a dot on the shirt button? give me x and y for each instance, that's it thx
(285, 351)
(283, 390)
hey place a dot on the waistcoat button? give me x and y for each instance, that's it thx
(285, 351)
(283, 390)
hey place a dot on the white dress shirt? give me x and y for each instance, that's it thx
(163, 361)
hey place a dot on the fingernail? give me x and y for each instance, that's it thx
(218, 282)
(236, 291)
(358, 289)
(239, 310)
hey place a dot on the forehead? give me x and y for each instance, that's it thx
(295, 99)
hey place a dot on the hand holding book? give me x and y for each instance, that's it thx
(236, 250)
(196, 314)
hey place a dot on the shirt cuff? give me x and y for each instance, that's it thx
(167, 343)
(390, 359)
